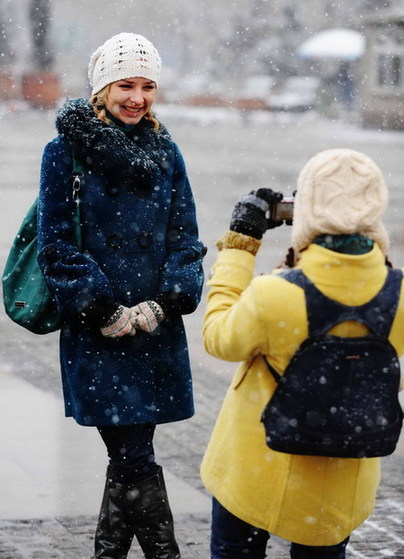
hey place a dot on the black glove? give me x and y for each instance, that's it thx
(250, 213)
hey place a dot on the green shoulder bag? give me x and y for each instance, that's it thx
(26, 297)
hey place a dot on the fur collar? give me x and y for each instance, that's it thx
(108, 150)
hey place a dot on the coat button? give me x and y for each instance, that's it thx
(50, 251)
(144, 239)
(112, 189)
(114, 240)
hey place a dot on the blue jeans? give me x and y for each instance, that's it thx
(232, 538)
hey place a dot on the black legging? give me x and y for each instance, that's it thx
(130, 450)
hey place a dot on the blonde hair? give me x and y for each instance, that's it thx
(99, 102)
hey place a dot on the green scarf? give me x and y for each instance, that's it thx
(128, 129)
(346, 244)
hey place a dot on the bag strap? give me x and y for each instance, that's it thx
(78, 173)
(324, 313)
(277, 377)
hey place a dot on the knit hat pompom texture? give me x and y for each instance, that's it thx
(126, 55)
(339, 191)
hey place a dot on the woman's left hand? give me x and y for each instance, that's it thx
(119, 324)
(146, 316)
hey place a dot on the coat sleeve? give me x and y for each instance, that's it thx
(233, 329)
(73, 277)
(182, 272)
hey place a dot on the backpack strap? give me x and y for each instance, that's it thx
(324, 313)
(272, 370)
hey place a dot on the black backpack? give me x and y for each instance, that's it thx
(339, 396)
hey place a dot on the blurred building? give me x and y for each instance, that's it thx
(209, 48)
(382, 91)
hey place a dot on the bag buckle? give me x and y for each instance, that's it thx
(76, 186)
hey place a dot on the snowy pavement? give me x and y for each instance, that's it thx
(40, 452)
(52, 471)
(52, 479)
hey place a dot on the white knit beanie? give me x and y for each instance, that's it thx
(339, 191)
(123, 56)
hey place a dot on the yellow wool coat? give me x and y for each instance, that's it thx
(305, 499)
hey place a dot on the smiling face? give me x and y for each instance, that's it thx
(130, 99)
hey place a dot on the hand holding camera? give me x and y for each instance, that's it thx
(258, 211)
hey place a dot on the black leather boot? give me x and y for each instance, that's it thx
(140, 509)
(153, 520)
(114, 533)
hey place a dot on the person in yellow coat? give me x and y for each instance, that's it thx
(340, 244)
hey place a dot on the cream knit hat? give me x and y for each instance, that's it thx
(339, 191)
(123, 56)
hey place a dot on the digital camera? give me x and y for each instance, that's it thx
(283, 210)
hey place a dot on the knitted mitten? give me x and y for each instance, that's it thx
(146, 316)
(118, 324)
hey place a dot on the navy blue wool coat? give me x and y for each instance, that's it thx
(139, 241)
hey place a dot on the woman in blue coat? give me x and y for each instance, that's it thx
(123, 349)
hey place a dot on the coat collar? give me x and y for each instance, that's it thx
(326, 267)
(108, 150)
